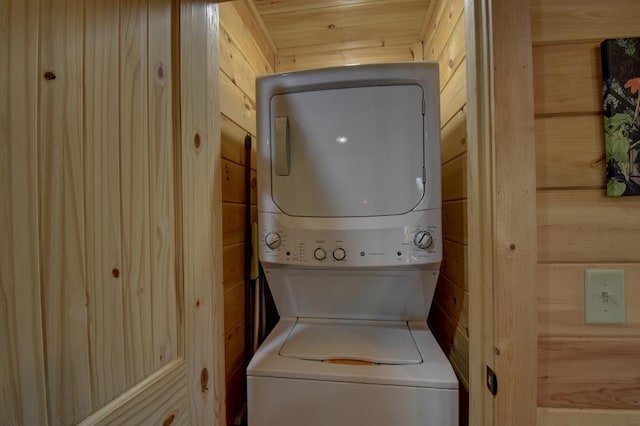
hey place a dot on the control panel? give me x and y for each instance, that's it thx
(307, 243)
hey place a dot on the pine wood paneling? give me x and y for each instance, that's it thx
(453, 52)
(368, 32)
(514, 236)
(134, 172)
(570, 152)
(22, 363)
(367, 55)
(233, 143)
(162, 213)
(585, 226)
(160, 399)
(233, 222)
(236, 66)
(451, 298)
(587, 417)
(442, 26)
(253, 24)
(62, 229)
(267, 7)
(233, 263)
(453, 97)
(232, 24)
(236, 105)
(234, 348)
(454, 262)
(401, 41)
(233, 183)
(570, 20)
(234, 297)
(201, 198)
(454, 221)
(567, 78)
(589, 372)
(579, 228)
(105, 272)
(454, 137)
(454, 179)
(561, 301)
(407, 12)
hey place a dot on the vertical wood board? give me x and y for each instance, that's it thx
(62, 228)
(22, 358)
(201, 201)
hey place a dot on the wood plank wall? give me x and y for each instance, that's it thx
(444, 42)
(243, 56)
(88, 217)
(587, 374)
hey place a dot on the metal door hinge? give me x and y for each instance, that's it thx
(492, 381)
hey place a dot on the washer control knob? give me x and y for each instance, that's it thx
(339, 254)
(423, 239)
(273, 240)
(320, 254)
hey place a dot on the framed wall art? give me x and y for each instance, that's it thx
(621, 90)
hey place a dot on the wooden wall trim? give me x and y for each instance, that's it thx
(515, 213)
(502, 232)
(201, 212)
(480, 208)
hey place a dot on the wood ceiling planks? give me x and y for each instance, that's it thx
(305, 26)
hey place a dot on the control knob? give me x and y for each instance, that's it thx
(423, 240)
(273, 240)
(320, 254)
(339, 254)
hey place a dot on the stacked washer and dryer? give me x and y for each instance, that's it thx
(350, 230)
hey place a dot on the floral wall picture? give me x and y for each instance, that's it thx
(621, 87)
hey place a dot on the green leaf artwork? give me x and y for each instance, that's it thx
(621, 90)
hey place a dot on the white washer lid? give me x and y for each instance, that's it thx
(378, 342)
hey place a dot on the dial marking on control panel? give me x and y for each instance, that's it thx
(319, 254)
(273, 240)
(339, 254)
(423, 239)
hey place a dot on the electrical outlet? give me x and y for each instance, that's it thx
(604, 296)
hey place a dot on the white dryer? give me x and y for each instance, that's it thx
(349, 210)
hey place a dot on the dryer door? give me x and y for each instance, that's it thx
(348, 152)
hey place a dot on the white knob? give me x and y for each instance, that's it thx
(423, 239)
(320, 254)
(339, 254)
(273, 240)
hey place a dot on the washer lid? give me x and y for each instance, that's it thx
(377, 342)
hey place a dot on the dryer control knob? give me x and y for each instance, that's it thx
(339, 254)
(423, 239)
(320, 254)
(273, 240)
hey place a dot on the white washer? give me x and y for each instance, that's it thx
(351, 242)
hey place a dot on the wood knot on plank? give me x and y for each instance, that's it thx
(196, 141)
(331, 26)
(49, 75)
(115, 272)
(204, 380)
(512, 246)
(169, 420)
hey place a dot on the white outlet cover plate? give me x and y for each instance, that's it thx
(599, 309)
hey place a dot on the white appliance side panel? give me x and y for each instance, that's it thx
(295, 402)
(352, 151)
